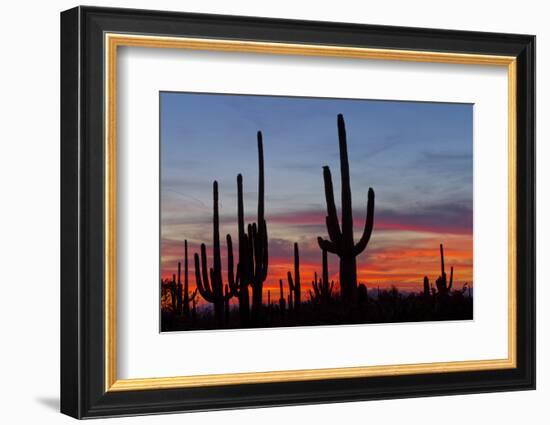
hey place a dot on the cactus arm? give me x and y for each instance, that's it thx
(290, 300)
(228, 294)
(426, 286)
(238, 285)
(333, 229)
(329, 246)
(193, 294)
(232, 280)
(265, 259)
(316, 288)
(290, 281)
(213, 283)
(204, 291)
(216, 276)
(257, 248)
(205, 280)
(442, 259)
(230, 264)
(240, 204)
(250, 239)
(244, 242)
(332, 223)
(260, 251)
(451, 279)
(369, 222)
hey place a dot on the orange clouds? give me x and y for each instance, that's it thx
(395, 258)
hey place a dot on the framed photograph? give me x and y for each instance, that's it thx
(261, 212)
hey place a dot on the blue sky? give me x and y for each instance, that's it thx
(417, 156)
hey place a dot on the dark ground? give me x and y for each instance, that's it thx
(388, 306)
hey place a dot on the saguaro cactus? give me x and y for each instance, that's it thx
(341, 241)
(182, 295)
(173, 294)
(238, 283)
(282, 302)
(322, 289)
(426, 286)
(253, 261)
(441, 282)
(212, 288)
(258, 238)
(227, 297)
(194, 309)
(253, 251)
(179, 292)
(294, 283)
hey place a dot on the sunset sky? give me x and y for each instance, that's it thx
(416, 156)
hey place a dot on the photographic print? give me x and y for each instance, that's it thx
(280, 211)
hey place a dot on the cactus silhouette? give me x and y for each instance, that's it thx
(212, 288)
(239, 282)
(282, 302)
(294, 283)
(227, 296)
(322, 289)
(441, 282)
(426, 286)
(179, 292)
(254, 256)
(258, 239)
(194, 309)
(183, 290)
(174, 294)
(341, 241)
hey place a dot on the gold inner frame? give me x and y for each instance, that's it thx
(113, 41)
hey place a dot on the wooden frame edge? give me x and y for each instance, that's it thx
(114, 40)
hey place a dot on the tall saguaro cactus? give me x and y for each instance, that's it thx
(341, 241)
(441, 282)
(294, 283)
(258, 239)
(212, 288)
(239, 282)
(253, 250)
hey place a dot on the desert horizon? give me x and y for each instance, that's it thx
(226, 157)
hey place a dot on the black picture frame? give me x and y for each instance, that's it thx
(83, 392)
